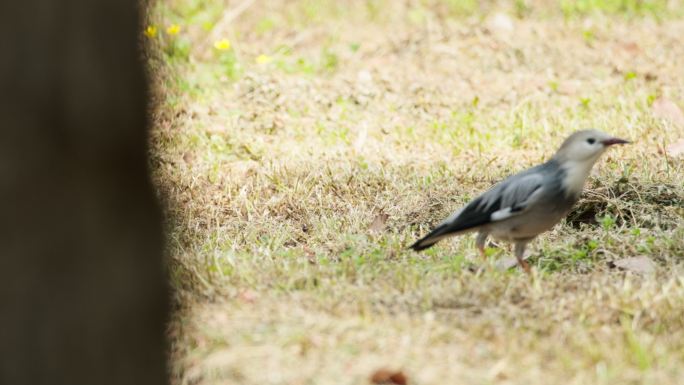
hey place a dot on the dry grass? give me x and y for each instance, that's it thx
(391, 115)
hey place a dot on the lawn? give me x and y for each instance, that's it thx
(300, 146)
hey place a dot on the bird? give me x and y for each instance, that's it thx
(526, 204)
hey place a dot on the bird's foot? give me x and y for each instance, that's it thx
(483, 253)
(525, 266)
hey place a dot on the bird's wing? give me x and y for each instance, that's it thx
(509, 198)
(519, 196)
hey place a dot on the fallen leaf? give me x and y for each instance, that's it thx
(666, 109)
(248, 296)
(399, 378)
(387, 377)
(188, 157)
(650, 77)
(676, 149)
(641, 265)
(631, 47)
(378, 223)
(568, 87)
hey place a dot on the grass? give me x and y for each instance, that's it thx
(297, 165)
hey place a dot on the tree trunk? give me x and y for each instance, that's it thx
(83, 294)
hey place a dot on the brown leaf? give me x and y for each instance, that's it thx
(676, 149)
(248, 296)
(388, 377)
(666, 109)
(641, 265)
(378, 223)
(569, 87)
(188, 157)
(631, 47)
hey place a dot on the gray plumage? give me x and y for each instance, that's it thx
(531, 202)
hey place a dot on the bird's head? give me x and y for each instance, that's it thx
(586, 146)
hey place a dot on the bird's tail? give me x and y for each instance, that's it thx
(435, 236)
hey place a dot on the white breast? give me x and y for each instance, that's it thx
(576, 174)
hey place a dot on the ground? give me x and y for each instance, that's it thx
(300, 146)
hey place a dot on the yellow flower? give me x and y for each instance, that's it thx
(173, 29)
(222, 45)
(263, 59)
(151, 31)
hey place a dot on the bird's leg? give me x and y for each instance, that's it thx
(519, 254)
(480, 241)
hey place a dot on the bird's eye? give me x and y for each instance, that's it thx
(591, 140)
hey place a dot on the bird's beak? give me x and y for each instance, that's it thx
(612, 141)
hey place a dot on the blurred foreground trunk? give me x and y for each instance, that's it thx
(83, 295)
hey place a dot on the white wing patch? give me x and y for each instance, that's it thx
(516, 208)
(512, 197)
(501, 214)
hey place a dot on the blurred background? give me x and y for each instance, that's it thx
(291, 150)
